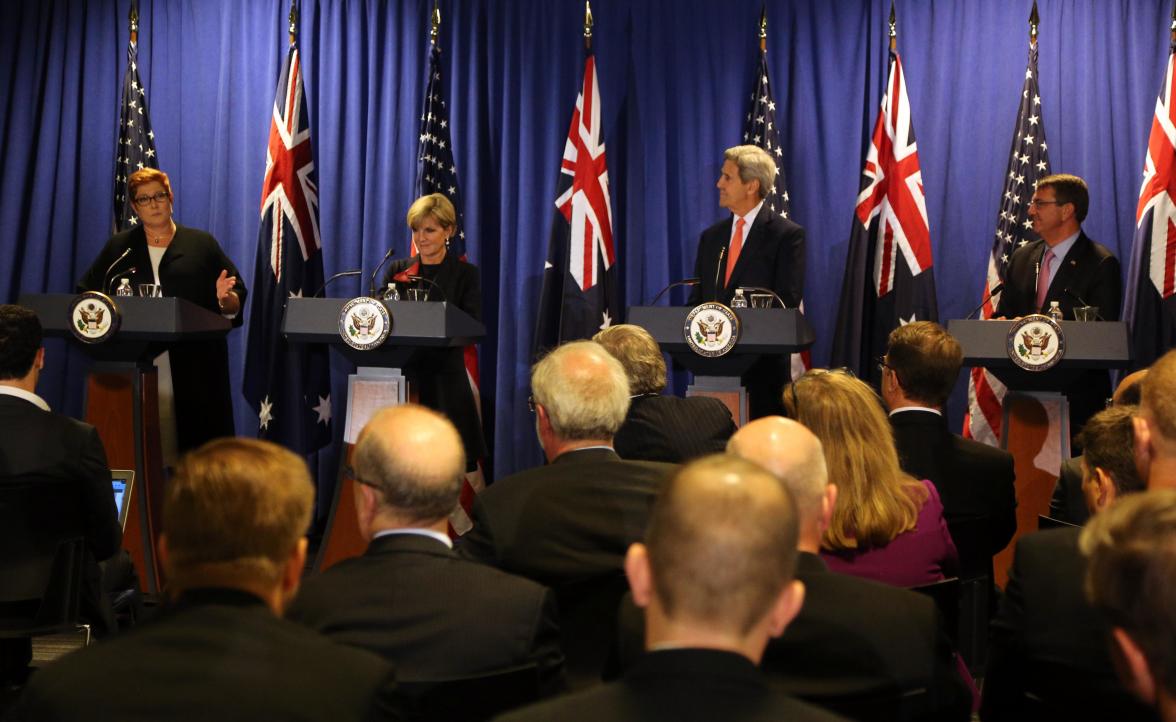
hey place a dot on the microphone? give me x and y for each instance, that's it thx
(719, 270)
(341, 274)
(995, 290)
(1082, 301)
(431, 282)
(675, 284)
(106, 278)
(761, 289)
(372, 280)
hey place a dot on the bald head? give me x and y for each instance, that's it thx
(413, 458)
(583, 390)
(792, 453)
(721, 544)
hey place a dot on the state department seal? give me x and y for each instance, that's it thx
(1036, 343)
(94, 317)
(364, 323)
(711, 329)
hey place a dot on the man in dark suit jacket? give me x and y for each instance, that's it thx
(657, 427)
(1067, 267)
(715, 578)
(974, 480)
(567, 525)
(39, 446)
(409, 598)
(755, 247)
(1049, 657)
(234, 550)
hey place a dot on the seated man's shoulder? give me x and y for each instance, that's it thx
(1048, 546)
(980, 452)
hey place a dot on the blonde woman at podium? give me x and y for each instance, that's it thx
(435, 274)
(158, 257)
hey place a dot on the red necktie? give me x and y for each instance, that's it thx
(736, 246)
(1043, 278)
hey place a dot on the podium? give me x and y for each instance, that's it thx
(379, 380)
(1035, 416)
(765, 331)
(122, 399)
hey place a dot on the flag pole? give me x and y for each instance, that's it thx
(133, 18)
(293, 19)
(763, 28)
(588, 22)
(435, 23)
(1034, 20)
(894, 29)
(1172, 27)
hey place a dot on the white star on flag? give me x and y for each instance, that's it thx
(267, 412)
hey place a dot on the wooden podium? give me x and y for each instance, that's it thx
(765, 331)
(122, 399)
(1035, 416)
(379, 380)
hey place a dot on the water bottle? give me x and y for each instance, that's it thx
(124, 288)
(1055, 311)
(739, 301)
(391, 293)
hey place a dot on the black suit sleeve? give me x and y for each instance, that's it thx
(387, 705)
(222, 261)
(470, 291)
(1106, 288)
(545, 648)
(103, 533)
(1003, 522)
(789, 272)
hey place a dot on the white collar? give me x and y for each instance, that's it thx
(928, 409)
(443, 538)
(33, 399)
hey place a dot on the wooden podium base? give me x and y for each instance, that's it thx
(728, 389)
(1035, 429)
(122, 403)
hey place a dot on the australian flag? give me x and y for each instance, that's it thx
(1028, 161)
(289, 386)
(579, 295)
(888, 277)
(136, 140)
(1150, 308)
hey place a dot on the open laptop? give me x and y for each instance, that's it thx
(122, 482)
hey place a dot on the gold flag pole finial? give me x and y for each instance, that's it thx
(1034, 21)
(588, 23)
(893, 29)
(133, 18)
(293, 19)
(436, 22)
(763, 35)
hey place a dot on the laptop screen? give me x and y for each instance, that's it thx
(122, 481)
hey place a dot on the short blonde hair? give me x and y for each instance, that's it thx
(876, 500)
(435, 205)
(754, 163)
(638, 353)
(583, 389)
(236, 507)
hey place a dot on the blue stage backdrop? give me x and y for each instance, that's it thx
(674, 80)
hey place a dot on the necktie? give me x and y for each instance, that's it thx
(736, 246)
(1043, 278)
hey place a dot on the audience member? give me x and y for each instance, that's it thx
(1068, 503)
(409, 598)
(1155, 425)
(659, 427)
(975, 481)
(886, 525)
(1131, 580)
(1048, 656)
(233, 550)
(715, 578)
(567, 525)
(40, 447)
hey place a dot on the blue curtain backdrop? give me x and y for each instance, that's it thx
(674, 78)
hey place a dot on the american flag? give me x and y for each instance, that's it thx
(760, 130)
(437, 173)
(579, 295)
(888, 276)
(1028, 161)
(289, 386)
(136, 140)
(1150, 308)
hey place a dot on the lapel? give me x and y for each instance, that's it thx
(176, 249)
(752, 236)
(1070, 271)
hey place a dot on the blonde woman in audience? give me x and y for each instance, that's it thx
(886, 524)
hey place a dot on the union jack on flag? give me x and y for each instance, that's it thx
(289, 386)
(1150, 308)
(1028, 161)
(579, 295)
(888, 276)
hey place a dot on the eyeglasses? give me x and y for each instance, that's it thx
(159, 197)
(882, 366)
(531, 403)
(349, 472)
(1036, 202)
